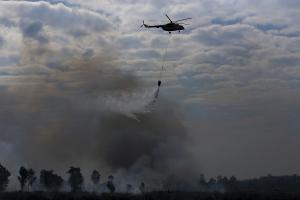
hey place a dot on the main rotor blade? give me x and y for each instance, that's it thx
(183, 19)
(184, 23)
(168, 18)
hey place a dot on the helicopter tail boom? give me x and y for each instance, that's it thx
(149, 26)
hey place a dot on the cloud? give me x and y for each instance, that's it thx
(34, 31)
(286, 61)
(8, 60)
(227, 22)
(1, 42)
(62, 17)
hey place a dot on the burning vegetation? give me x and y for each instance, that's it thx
(52, 186)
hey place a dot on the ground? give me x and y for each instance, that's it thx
(148, 196)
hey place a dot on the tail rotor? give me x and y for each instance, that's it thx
(141, 26)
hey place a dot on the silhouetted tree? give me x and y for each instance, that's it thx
(95, 177)
(232, 184)
(202, 183)
(225, 182)
(31, 177)
(23, 177)
(202, 180)
(110, 184)
(4, 178)
(50, 181)
(219, 179)
(212, 184)
(233, 179)
(129, 188)
(142, 187)
(75, 179)
(221, 183)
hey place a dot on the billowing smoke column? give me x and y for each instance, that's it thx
(82, 111)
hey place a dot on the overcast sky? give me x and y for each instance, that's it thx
(234, 72)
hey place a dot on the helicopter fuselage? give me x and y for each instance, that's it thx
(172, 27)
(167, 27)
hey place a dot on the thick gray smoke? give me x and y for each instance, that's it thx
(81, 111)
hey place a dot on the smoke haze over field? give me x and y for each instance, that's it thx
(89, 114)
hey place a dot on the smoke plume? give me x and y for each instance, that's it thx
(85, 111)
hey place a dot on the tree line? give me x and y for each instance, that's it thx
(52, 182)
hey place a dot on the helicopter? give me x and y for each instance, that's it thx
(171, 26)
